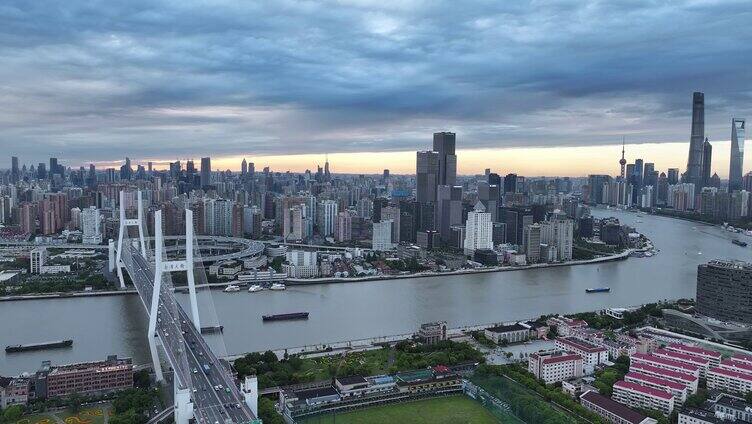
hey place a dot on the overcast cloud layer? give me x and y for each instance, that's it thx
(96, 81)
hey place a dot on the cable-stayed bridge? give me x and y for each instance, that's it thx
(204, 387)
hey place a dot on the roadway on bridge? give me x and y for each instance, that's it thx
(216, 397)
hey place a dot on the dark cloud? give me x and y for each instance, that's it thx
(94, 81)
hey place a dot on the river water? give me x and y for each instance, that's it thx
(343, 311)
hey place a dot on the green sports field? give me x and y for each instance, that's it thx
(447, 410)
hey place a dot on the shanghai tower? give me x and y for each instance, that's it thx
(737, 154)
(694, 162)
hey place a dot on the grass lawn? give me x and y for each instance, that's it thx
(36, 419)
(449, 410)
(87, 415)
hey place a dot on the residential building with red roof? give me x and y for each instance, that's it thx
(729, 380)
(678, 390)
(669, 364)
(637, 396)
(701, 363)
(711, 355)
(688, 380)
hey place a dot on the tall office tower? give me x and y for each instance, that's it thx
(326, 217)
(478, 230)
(647, 174)
(243, 168)
(489, 195)
(41, 171)
(53, 167)
(694, 161)
(205, 172)
(662, 192)
(532, 236)
(495, 179)
(90, 226)
(510, 183)
(559, 234)
(382, 236)
(638, 169)
(394, 214)
(444, 143)
(737, 154)
(344, 227)
(724, 291)
(707, 159)
(327, 175)
(622, 161)
(448, 210)
(673, 175)
(427, 176)
(14, 172)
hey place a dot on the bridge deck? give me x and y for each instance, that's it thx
(214, 393)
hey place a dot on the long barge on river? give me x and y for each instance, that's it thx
(39, 346)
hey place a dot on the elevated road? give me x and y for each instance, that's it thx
(215, 396)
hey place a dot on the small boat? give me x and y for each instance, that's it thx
(39, 346)
(231, 288)
(277, 286)
(739, 242)
(255, 288)
(598, 290)
(284, 317)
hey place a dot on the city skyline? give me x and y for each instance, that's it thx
(602, 159)
(169, 80)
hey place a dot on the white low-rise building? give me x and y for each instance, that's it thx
(552, 367)
(637, 396)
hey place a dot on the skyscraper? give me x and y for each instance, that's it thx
(737, 154)
(622, 161)
(243, 168)
(205, 172)
(694, 161)
(444, 143)
(478, 230)
(427, 176)
(707, 160)
(448, 210)
(14, 172)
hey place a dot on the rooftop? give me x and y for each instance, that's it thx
(582, 345)
(730, 373)
(664, 361)
(682, 357)
(694, 349)
(506, 328)
(689, 378)
(643, 389)
(654, 380)
(353, 379)
(613, 407)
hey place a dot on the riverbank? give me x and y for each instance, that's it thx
(330, 280)
(327, 280)
(67, 295)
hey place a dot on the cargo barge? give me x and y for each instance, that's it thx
(284, 317)
(39, 346)
(598, 290)
(212, 329)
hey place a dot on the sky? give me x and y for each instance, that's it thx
(534, 87)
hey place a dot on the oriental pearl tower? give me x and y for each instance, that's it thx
(622, 161)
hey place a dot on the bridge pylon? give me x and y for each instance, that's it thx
(124, 224)
(163, 266)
